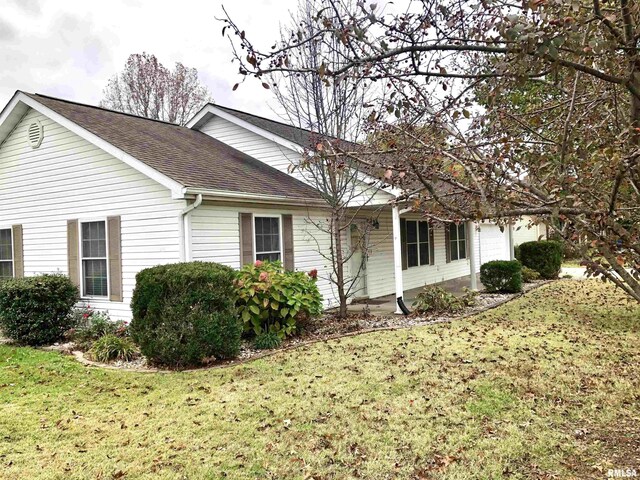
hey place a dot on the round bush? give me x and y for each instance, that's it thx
(184, 313)
(544, 256)
(502, 276)
(37, 310)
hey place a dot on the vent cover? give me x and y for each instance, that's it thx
(35, 134)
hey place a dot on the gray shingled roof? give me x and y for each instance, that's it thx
(187, 156)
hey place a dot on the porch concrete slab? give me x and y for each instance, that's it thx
(387, 305)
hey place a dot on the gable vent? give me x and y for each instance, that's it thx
(35, 134)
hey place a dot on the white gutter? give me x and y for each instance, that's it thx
(186, 226)
(223, 195)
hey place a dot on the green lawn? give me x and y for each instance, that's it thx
(545, 385)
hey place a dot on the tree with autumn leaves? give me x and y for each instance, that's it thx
(495, 109)
(147, 88)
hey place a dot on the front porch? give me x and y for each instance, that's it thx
(386, 305)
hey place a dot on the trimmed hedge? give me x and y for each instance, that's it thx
(37, 310)
(502, 276)
(543, 256)
(185, 312)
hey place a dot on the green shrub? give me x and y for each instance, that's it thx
(267, 341)
(502, 276)
(469, 297)
(185, 312)
(544, 256)
(516, 252)
(529, 275)
(437, 300)
(273, 300)
(110, 347)
(37, 310)
(93, 325)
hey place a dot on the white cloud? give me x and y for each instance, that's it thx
(71, 48)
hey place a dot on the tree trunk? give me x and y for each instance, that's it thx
(339, 263)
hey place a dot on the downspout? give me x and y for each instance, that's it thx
(186, 227)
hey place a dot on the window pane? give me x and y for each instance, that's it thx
(5, 245)
(424, 253)
(453, 231)
(275, 227)
(6, 270)
(424, 232)
(454, 250)
(95, 277)
(412, 232)
(267, 238)
(259, 243)
(94, 243)
(268, 256)
(462, 231)
(412, 255)
(463, 248)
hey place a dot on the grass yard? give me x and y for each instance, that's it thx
(544, 386)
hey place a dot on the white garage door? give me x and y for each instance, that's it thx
(494, 244)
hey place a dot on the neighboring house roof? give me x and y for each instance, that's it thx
(187, 156)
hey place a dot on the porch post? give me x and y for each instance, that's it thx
(397, 256)
(512, 251)
(471, 231)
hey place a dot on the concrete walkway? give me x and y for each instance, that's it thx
(387, 305)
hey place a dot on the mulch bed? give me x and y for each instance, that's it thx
(325, 327)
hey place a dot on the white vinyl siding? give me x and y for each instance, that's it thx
(69, 178)
(523, 231)
(380, 276)
(216, 238)
(278, 156)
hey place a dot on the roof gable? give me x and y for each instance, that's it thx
(178, 157)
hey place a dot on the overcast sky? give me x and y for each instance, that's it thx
(70, 48)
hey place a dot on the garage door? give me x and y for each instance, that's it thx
(494, 244)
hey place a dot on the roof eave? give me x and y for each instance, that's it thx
(226, 195)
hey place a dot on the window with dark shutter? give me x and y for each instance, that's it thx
(417, 245)
(93, 251)
(267, 232)
(457, 241)
(6, 254)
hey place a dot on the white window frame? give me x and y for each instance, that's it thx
(457, 241)
(418, 241)
(268, 215)
(81, 258)
(13, 259)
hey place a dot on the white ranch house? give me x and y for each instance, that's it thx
(99, 195)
